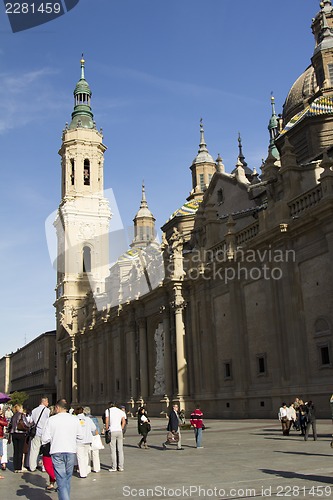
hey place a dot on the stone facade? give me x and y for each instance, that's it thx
(234, 309)
(33, 369)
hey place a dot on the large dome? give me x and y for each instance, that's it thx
(300, 93)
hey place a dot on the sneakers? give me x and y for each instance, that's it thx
(164, 446)
(120, 470)
(139, 444)
(112, 470)
(180, 449)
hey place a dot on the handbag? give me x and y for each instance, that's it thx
(108, 433)
(172, 437)
(108, 437)
(96, 443)
(21, 426)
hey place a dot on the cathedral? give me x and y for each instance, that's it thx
(233, 309)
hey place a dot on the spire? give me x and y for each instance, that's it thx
(219, 164)
(202, 145)
(241, 160)
(144, 203)
(82, 67)
(144, 223)
(322, 27)
(326, 5)
(203, 155)
(240, 147)
(273, 130)
(82, 115)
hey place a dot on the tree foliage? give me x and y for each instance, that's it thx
(18, 398)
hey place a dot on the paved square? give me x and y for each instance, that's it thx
(240, 459)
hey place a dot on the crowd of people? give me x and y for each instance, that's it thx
(60, 439)
(300, 416)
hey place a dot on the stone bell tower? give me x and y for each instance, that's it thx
(82, 226)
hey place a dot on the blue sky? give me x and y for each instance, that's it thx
(155, 68)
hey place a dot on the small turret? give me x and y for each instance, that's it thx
(82, 115)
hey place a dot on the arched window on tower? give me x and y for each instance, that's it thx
(86, 266)
(86, 173)
(72, 172)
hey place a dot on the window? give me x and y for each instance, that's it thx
(202, 183)
(86, 173)
(220, 196)
(86, 260)
(227, 370)
(72, 171)
(330, 73)
(261, 364)
(325, 355)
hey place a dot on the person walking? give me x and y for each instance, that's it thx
(311, 421)
(3, 424)
(115, 422)
(283, 417)
(196, 421)
(84, 445)
(37, 419)
(62, 431)
(143, 427)
(94, 452)
(174, 428)
(18, 430)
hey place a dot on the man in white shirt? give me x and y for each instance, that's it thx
(115, 422)
(63, 431)
(39, 417)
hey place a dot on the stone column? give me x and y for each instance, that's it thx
(167, 352)
(178, 306)
(143, 358)
(74, 372)
(61, 361)
(132, 361)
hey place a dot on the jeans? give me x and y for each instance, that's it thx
(63, 464)
(117, 446)
(198, 437)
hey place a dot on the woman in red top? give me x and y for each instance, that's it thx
(3, 424)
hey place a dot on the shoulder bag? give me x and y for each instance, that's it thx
(108, 433)
(33, 429)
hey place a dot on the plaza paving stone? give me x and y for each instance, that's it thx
(240, 459)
